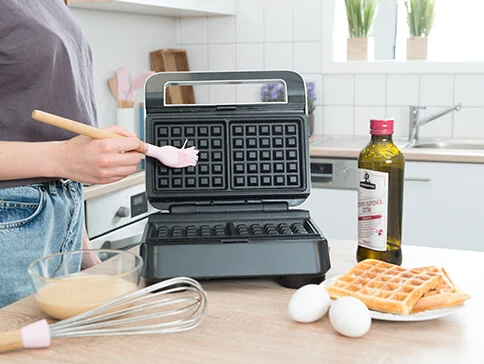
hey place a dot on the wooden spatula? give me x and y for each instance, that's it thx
(168, 155)
(113, 87)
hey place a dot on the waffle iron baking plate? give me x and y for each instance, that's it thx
(233, 214)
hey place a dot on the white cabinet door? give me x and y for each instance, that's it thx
(334, 211)
(443, 205)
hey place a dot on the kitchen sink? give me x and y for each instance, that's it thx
(359, 142)
(461, 144)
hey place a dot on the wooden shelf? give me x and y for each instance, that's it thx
(178, 8)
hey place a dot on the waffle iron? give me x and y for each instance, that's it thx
(232, 215)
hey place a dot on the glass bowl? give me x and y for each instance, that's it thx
(63, 290)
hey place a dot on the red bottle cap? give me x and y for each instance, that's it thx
(381, 127)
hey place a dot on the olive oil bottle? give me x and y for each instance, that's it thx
(380, 196)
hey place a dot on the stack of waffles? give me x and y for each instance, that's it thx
(393, 289)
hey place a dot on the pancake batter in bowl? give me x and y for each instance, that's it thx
(74, 295)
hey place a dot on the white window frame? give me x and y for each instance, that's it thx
(330, 39)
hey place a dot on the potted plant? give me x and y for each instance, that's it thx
(273, 92)
(360, 15)
(311, 97)
(420, 19)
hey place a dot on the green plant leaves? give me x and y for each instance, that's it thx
(360, 15)
(420, 16)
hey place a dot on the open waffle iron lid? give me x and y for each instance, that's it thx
(249, 153)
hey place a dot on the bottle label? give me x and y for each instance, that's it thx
(372, 209)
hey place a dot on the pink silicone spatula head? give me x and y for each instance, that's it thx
(138, 83)
(122, 79)
(173, 157)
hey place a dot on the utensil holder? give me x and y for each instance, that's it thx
(126, 118)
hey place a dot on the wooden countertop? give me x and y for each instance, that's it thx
(350, 147)
(247, 322)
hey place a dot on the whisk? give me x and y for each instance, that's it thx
(181, 304)
(168, 155)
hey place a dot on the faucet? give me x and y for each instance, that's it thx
(415, 123)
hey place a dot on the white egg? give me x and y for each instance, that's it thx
(350, 317)
(309, 303)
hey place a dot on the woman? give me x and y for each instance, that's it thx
(46, 64)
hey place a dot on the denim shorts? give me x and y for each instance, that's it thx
(36, 220)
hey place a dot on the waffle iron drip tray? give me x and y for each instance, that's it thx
(232, 215)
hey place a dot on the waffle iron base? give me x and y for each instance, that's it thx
(286, 246)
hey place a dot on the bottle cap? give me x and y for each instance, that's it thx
(381, 127)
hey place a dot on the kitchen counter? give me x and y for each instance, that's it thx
(330, 146)
(247, 322)
(99, 190)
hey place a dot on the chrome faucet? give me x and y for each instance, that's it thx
(415, 123)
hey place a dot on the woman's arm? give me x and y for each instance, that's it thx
(24, 160)
(80, 159)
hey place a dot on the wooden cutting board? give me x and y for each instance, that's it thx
(173, 60)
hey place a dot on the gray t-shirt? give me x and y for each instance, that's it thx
(45, 64)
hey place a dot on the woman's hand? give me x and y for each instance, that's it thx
(100, 161)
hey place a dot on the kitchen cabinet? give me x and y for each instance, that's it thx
(179, 8)
(443, 207)
(334, 211)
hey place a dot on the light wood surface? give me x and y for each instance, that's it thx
(247, 322)
(360, 49)
(417, 48)
(173, 60)
(10, 340)
(79, 128)
(74, 126)
(113, 87)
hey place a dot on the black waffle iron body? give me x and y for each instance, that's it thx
(233, 214)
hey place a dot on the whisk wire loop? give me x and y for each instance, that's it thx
(189, 310)
(156, 315)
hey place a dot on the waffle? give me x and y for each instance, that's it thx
(385, 287)
(445, 294)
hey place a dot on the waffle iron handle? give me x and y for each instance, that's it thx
(156, 84)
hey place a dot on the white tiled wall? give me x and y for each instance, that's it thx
(265, 34)
(117, 39)
(286, 34)
(390, 96)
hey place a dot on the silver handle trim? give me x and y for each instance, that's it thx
(322, 175)
(417, 179)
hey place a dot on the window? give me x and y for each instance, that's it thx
(457, 33)
(456, 36)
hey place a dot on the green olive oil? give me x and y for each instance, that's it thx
(380, 196)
